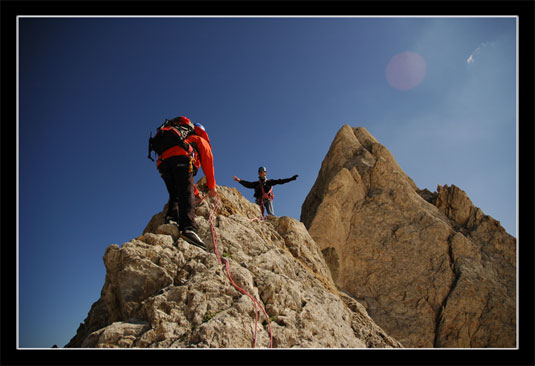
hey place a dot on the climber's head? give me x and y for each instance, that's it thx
(199, 126)
(262, 172)
(201, 131)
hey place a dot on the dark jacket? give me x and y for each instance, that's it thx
(268, 183)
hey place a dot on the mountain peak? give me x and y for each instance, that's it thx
(375, 262)
(418, 261)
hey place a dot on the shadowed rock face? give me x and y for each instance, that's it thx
(157, 295)
(431, 269)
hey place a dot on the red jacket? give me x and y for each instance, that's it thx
(205, 160)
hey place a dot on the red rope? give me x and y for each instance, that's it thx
(255, 301)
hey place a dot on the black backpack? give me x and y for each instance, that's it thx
(169, 134)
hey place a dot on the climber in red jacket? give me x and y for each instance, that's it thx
(177, 168)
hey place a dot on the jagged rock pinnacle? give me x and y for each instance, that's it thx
(430, 268)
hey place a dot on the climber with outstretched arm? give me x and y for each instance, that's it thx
(263, 189)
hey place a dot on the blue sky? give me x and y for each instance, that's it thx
(270, 91)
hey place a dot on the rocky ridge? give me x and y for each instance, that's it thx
(158, 295)
(431, 268)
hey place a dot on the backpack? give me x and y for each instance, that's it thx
(170, 133)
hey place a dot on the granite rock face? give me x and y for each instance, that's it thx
(161, 292)
(430, 268)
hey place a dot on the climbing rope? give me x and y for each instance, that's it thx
(215, 240)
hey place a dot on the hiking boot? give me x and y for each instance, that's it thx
(171, 220)
(191, 237)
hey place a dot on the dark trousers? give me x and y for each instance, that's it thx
(179, 182)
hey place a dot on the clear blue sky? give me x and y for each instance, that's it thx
(270, 91)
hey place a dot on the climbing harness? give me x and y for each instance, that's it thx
(265, 196)
(215, 240)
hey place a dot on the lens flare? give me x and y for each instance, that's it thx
(405, 70)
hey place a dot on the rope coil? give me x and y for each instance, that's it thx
(257, 304)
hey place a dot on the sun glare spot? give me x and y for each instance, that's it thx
(405, 70)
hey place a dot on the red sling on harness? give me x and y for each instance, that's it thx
(265, 196)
